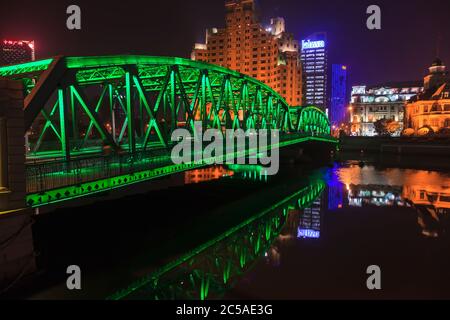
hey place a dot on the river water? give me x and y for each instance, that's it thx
(233, 233)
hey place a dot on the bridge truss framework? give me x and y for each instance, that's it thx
(97, 123)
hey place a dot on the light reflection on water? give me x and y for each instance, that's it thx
(427, 192)
(234, 261)
(243, 172)
(207, 174)
(208, 270)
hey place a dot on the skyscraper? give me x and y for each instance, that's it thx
(12, 52)
(315, 68)
(338, 104)
(267, 53)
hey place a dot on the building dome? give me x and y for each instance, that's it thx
(437, 67)
(437, 63)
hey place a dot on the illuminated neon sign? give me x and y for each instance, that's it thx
(308, 44)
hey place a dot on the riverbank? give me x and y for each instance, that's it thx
(439, 147)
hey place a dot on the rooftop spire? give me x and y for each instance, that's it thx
(438, 45)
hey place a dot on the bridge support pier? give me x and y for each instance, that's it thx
(16, 241)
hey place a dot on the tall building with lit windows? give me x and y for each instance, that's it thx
(338, 104)
(315, 70)
(265, 52)
(13, 52)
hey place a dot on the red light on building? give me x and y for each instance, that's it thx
(16, 51)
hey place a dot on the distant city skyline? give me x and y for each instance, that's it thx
(401, 51)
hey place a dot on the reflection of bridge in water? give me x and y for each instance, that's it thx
(212, 268)
(99, 123)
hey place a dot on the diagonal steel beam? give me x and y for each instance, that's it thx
(42, 91)
(97, 109)
(48, 124)
(152, 117)
(82, 99)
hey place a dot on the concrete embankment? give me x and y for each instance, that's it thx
(402, 146)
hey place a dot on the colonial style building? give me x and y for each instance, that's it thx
(430, 111)
(267, 53)
(385, 101)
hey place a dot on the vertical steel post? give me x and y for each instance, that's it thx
(74, 116)
(113, 112)
(203, 114)
(63, 124)
(173, 106)
(130, 113)
(141, 117)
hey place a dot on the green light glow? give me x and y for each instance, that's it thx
(161, 86)
(221, 97)
(114, 61)
(28, 67)
(243, 256)
(313, 120)
(88, 188)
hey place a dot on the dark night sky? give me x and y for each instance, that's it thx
(402, 50)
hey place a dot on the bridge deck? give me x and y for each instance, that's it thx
(50, 182)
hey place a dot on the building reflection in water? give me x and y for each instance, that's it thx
(427, 192)
(295, 215)
(301, 223)
(310, 221)
(335, 190)
(362, 195)
(243, 172)
(207, 174)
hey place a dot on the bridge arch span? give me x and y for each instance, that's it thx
(100, 123)
(314, 121)
(134, 102)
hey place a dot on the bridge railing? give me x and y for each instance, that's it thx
(56, 174)
(49, 175)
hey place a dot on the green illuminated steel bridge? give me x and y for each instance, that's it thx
(98, 123)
